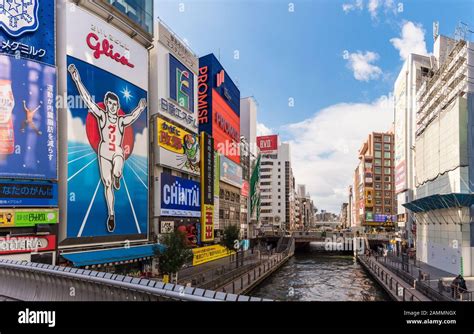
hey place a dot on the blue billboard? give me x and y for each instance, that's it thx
(179, 197)
(28, 129)
(28, 29)
(107, 154)
(181, 85)
(28, 194)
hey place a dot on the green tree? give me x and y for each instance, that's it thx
(172, 253)
(230, 240)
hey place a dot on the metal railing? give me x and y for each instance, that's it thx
(390, 281)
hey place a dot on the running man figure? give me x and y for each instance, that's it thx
(29, 119)
(110, 151)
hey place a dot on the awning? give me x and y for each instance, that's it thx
(435, 202)
(121, 254)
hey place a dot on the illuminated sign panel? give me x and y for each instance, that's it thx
(267, 144)
(219, 107)
(207, 187)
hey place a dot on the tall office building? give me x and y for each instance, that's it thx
(276, 184)
(374, 195)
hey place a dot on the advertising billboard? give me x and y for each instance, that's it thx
(219, 107)
(209, 253)
(178, 148)
(245, 191)
(28, 194)
(230, 172)
(267, 144)
(179, 197)
(207, 187)
(28, 217)
(191, 229)
(181, 84)
(28, 29)
(28, 130)
(27, 244)
(217, 168)
(107, 131)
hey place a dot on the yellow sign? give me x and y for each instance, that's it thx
(209, 253)
(166, 278)
(369, 197)
(207, 216)
(171, 137)
(7, 218)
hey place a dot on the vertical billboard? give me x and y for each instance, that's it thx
(219, 107)
(267, 144)
(28, 29)
(178, 148)
(217, 167)
(107, 131)
(28, 131)
(207, 187)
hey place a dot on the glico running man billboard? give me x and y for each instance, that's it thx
(27, 29)
(28, 133)
(107, 131)
(219, 107)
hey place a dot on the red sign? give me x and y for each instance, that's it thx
(225, 128)
(105, 48)
(27, 244)
(267, 143)
(244, 191)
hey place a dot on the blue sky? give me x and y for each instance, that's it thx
(300, 55)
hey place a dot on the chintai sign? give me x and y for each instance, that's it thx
(179, 197)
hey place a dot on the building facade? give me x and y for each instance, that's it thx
(415, 68)
(374, 192)
(443, 159)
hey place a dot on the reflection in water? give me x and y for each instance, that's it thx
(316, 276)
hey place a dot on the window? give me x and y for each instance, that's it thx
(378, 178)
(378, 202)
(387, 186)
(387, 178)
(387, 171)
(279, 211)
(265, 183)
(386, 163)
(279, 170)
(386, 155)
(387, 202)
(279, 163)
(279, 190)
(279, 183)
(279, 197)
(378, 186)
(388, 211)
(378, 154)
(378, 146)
(378, 170)
(221, 193)
(387, 194)
(378, 194)
(221, 213)
(378, 210)
(279, 203)
(265, 176)
(386, 139)
(386, 147)
(279, 176)
(377, 138)
(377, 162)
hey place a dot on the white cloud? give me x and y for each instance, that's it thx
(412, 40)
(263, 130)
(360, 64)
(372, 7)
(357, 5)
(141, 144)
(325, 147)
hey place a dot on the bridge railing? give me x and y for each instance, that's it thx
(28, 281)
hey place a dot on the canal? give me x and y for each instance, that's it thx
(319, 276)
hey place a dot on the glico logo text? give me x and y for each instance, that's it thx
(107, 49)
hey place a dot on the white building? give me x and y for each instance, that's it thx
(408, 82)
(444, 162)
(277, 189)
(248, 123)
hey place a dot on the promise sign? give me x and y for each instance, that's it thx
(207, 187)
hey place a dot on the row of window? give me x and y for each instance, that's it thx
(386, 147)
(386, 186)
(386, 139)
(227, 214)
(386, 154)
(229, 195)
